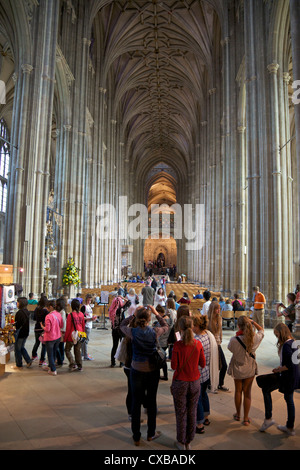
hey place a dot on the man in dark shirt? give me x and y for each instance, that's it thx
(22, 333)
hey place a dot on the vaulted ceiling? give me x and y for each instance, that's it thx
(156, 60)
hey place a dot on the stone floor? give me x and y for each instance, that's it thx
(86, 410)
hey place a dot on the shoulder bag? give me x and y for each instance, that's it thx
(78, 336)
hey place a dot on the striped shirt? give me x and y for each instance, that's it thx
(206, 347)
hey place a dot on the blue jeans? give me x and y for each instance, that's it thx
(143, 383)
(85, 344)
(51, 348)
(203, 408)
(21, 352)
(288, 396)
(60, 354)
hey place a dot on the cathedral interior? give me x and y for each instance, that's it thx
(175, 102)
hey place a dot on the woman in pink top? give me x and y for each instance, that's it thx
(52, 335)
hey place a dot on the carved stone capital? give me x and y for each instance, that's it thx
(286, 78)
(273, 68)
(27, 68)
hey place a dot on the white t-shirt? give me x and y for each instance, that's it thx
(205, 307)
(88, 314)
(160, 300)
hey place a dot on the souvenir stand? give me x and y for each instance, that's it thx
(7, 317)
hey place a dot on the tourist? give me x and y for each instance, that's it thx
(289, 313)
(221, 302)
(259, 306)
(205, 307)
(173, 296)
(144, 375)
(31, 299)
(183, 311)
(60, 307)
(215, 327)
(120, 290)
(210, 373)
(243, 366)
(187, 356)
(21, 334)
(163, 339)
(52, 335)
(160, 297)
(87, 311)
(163, 283)
(148, 294)
(79, 297)
(134, 301)
(227, 306)
(116, 315)
(171, 309)
(198, 295)
(285, 378)
(237, 304)
(39, 316)
(154, 283)
(184, 299)
(127, 367)
(75, 321)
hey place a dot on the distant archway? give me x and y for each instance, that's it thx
(160, 249)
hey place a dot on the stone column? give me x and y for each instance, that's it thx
(240, 265)
(259, 203)
(277, 175)
(13, 252)
(287, 195)
(295, 36)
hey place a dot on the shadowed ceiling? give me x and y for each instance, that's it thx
(156, 60)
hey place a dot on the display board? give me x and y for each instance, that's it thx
(8, 294)
(104, 298)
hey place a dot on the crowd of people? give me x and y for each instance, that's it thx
(194, 345)
(53, 332)
(190, 343)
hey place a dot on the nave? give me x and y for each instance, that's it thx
(86, 410)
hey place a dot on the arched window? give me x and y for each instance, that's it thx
(4, 164)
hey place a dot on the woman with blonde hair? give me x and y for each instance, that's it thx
(187, 356)
(133, 297)
(215, 327)
(243, 367)
(285, 378)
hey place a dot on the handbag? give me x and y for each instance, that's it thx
(41, 338)
(250, 354)
(271, 381)
(78, 336)
(158, 358)
(121, 353)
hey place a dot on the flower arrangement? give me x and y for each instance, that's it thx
(70, 274)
